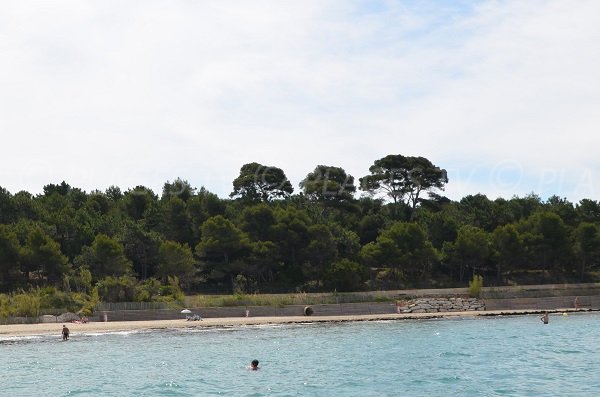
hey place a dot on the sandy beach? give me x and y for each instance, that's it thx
(113, 326)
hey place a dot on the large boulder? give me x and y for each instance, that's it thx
(67, 317)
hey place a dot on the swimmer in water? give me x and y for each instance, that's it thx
(545, 318)
(254, 365)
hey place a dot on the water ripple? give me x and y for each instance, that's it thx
(510, 356)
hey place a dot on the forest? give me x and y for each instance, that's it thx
(390, 229)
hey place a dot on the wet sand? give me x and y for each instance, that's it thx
(113, 326)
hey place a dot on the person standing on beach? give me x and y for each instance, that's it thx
(545, 318)
(65, 332)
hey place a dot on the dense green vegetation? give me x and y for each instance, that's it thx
(400, 232)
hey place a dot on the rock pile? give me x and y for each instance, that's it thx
(434, 305)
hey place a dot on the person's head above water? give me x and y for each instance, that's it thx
(254, 364)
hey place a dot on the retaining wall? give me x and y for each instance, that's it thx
(253, 311)
(420, 305)
(547, 303)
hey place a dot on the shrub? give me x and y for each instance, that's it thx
(346, 275)
(117, 289)
(56, 302)
(243, 284)
(25, 305)
(4, 305)
(147, 290)
(475, 286)
(86, 302)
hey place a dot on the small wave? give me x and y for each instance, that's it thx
(11, 340)
(454, 354)
(239, 327)
(112, 333)
(450, 379)
(564, 351)
(201, 330)
(505, 392)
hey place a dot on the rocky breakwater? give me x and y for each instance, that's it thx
(434, 305)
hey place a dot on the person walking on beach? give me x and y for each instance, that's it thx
(254, 365)
(545, 318)
(65, 332)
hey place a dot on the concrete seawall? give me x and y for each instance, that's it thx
(374, 308)
(547, 303)
(253, 311)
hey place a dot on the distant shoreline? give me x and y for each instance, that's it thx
(15, 330)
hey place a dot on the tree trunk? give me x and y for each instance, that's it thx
(583, 266)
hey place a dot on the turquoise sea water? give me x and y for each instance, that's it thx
(492, 356)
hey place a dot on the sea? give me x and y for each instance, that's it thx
(482, 356)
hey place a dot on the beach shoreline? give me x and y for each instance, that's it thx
(16, 330)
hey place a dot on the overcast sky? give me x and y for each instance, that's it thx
(505, 95)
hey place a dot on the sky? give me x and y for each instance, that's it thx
(504, 95)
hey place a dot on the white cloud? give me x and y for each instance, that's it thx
(502, 94)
